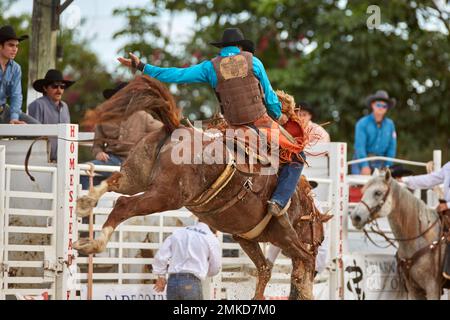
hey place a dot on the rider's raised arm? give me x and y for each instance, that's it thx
(200, 73)
(273, 105)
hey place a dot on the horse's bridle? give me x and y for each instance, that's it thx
(377, 208)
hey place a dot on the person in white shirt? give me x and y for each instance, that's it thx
(427, 181)
(316, 133)
(189, 255)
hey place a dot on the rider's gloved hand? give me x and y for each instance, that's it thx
(129, 62)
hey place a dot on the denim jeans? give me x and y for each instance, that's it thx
(113, 161)
(5, 116)
(288, 178)
(184, 286)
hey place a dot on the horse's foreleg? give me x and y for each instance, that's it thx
(125, 208)
(263, 266)
(86, 204)
(303, 279)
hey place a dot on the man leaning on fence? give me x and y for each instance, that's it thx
(50, 108)
(113, 142)
(375, 134)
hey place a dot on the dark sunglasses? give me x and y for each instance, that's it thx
(381, 105)
(56, 86)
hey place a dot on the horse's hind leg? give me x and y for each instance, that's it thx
(125, 208)
(263, 266)
(86, 204)
(302, 278)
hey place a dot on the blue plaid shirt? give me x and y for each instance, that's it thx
(204, 73)
(11, 88)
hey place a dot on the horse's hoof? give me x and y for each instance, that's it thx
(85, 206)
(86, 246)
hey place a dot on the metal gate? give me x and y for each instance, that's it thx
(28, 235)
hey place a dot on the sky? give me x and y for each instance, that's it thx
(100, 24)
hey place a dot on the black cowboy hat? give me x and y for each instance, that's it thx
(313, 184)
(398, 171)
(108, 93)
(234, 37)
(8, 33)
(383, 96)
(305, 106)
(51, 76)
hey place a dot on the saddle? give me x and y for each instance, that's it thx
(249, 146)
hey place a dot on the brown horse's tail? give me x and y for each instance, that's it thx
(143, 93)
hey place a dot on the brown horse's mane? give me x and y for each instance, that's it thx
(143, 93)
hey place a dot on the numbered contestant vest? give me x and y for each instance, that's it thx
(238, 90)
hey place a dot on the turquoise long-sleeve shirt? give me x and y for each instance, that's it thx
(11, 88)
(371, 138)
(204, 73)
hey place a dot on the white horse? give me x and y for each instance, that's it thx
(416, 227)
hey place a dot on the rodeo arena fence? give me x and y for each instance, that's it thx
(38, 226)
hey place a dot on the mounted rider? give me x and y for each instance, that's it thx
(246, 98)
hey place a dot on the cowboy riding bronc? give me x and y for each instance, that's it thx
(246, 98)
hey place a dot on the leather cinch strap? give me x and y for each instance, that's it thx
(256, 231)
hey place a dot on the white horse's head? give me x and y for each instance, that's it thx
(376, 200)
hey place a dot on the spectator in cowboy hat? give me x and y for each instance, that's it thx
(50, 109)
(113, 142)
(316, 132)
(11, 79)
(375, 134)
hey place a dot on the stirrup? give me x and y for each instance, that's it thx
(282, 211)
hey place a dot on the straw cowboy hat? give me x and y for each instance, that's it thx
(234, 37)
(108, 93)
(8, 33)
(52, 76)
(383, 96)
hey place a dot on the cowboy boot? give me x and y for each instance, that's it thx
(275, 210)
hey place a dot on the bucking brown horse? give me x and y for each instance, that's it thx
(227, 199)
